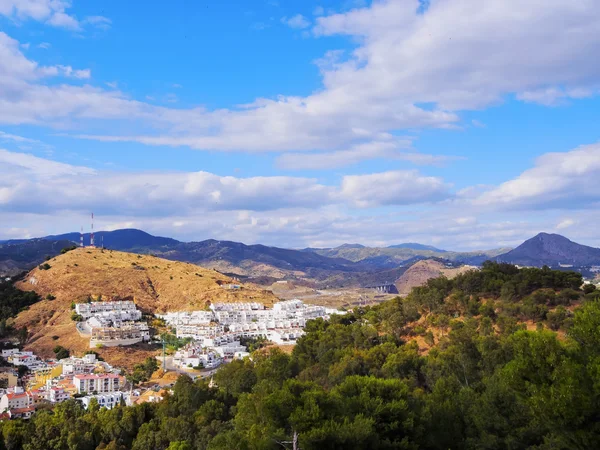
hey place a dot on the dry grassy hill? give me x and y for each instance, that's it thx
(421, 271)
(155, 284)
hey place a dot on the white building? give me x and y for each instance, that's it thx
(108, 401)
(16, 398)
(236, 306)
(199, 332)
(100, 383)
(90, 309)
(194, 355)
(57, 395)
(25, 359)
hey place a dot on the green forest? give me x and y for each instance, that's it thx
(359, 380)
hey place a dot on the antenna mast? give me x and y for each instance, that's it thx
(81, 237)
(92, 234)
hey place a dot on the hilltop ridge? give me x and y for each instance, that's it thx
(551, 250)
(155, 284)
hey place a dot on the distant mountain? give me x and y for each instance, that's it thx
(402, 254)
(18, 255)
(125, 239)
(415, 246)
(351, 246)
(257, 260)
(346, 265)
(551, 250)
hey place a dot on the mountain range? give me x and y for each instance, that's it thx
(344, 265)
(552, 250)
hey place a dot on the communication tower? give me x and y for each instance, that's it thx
(92, 233)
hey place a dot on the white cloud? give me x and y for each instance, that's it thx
(44, 45)
(15, 138)
(63, 20)
(393, 188)
(318, 11)
(392, 149)
(51, 12)
(558, 180)
(100, 22)
(33, 184)
(555, 95)
(298, 21)
(566, 223)
(449, 57)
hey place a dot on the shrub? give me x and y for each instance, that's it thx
(61, 352)
(45, 266)
(50, 297)
(76, 317)
(54, 338)
(589, 288)
(429, 340)
(68, 249)
(556, 318)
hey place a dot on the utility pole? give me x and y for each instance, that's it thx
(164, 354)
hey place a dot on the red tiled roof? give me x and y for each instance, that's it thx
(12, 396)
(22, 410)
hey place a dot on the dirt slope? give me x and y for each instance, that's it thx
(420, 272)
(155, 284)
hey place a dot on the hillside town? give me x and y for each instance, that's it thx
(212, 337)
(112, 323)
(216, 334)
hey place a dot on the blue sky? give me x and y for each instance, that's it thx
(302, 123)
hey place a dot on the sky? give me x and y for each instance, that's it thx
(456, 123)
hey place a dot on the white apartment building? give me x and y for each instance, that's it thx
(16, 398)
(100, 383)
(87, 364)
(90, 309)
(232, 350)
(199, 332)
(236, 306)
(188, 318)
(194, 355)
(57, 395)
(108, 401)
(11, 351)
(25, 359)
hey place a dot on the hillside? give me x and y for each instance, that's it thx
(419, 273)
(479, 361)
(551, 250)
(156, 285)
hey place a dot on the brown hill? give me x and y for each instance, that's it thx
(421, 271)
(156, 285)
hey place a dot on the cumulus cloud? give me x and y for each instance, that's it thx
(401, 187)
(100, 22)
(298, 21)
(35, 184)
(51, 12)
(447, 56)
(558, 180)
(39, 197)
(395, 149)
